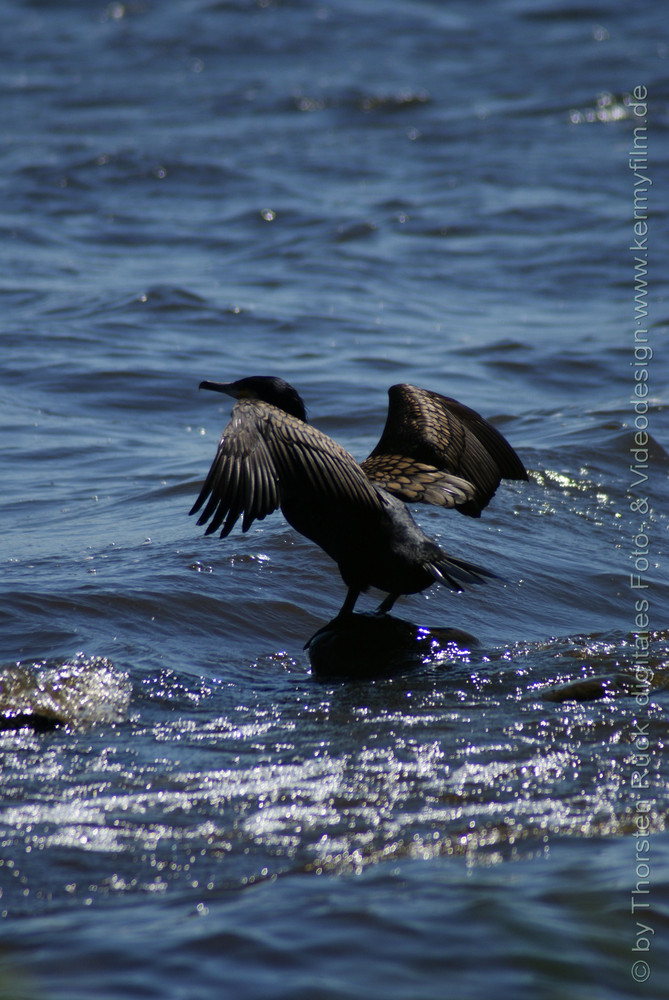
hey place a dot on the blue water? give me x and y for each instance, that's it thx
(349, 195)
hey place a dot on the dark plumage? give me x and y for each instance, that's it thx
(432, 450)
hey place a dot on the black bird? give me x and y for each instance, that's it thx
(433, 450)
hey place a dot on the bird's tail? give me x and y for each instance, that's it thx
(451, 571)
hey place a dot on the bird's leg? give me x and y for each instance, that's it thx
(348, 605)
(386, 604)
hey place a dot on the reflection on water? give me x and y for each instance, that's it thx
(216, 785)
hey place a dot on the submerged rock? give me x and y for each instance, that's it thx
(80, 691)
(591, 688)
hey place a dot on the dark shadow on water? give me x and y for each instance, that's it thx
(354, 647)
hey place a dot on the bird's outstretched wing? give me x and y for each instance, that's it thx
(266, 455)
(435, 450)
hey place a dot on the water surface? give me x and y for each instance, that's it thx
(348, 195)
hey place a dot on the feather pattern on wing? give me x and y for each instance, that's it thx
(436, 450)
(265, 456)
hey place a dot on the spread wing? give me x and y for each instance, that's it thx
(435, 450)
(266, 455)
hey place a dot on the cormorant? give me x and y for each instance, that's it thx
(433, 450)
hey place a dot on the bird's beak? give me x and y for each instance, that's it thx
(228, 387)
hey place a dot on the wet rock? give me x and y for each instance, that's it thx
(591, 688)
(360, 646)
(39, 722)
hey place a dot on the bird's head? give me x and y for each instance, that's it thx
(267, 388)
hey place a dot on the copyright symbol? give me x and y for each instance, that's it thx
(640, 971)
